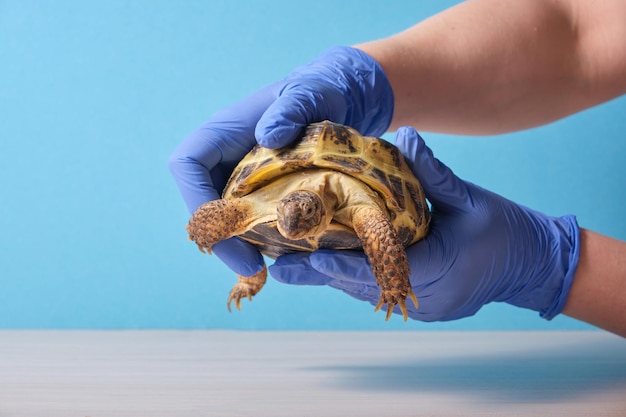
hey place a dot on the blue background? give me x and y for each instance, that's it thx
(94, 96)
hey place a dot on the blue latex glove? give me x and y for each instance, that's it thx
(343, 85)
(481, 248)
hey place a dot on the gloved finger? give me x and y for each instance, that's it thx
(352, 273)
(439, 276)
(343, 84)
(361, 292)
(343, 265)
(296, 269)
(203, 161)
(191, 165)
(442, 187)
(301, 102)
(348, 271)
(353, 267)
(240, 256)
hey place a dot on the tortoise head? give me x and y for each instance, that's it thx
(302, 213)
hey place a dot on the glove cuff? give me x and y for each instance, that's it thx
(366, 86)
(548, 286)
(570, 239)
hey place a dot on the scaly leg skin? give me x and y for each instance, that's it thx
(247, 287)
(217, 220)
(387, 258)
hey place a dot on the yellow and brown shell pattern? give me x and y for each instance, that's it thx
(374, 161)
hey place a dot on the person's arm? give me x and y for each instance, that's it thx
(494, 66)
(598, 293)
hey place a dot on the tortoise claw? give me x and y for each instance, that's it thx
(381, 302)
(239, 291)
(247, 287)
(413, 298)
(389, 311)
(390, 305)
(405, 312)
(392, 301)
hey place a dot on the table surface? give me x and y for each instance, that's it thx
(382, 374)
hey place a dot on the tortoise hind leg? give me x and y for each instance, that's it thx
(387, 258)
(247, 287)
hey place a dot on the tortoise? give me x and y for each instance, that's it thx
(331, 188)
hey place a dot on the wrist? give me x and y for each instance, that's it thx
(598, 291)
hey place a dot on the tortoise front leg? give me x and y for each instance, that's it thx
(387, 258)
(218, 220)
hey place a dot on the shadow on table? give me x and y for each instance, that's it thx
(534, 376)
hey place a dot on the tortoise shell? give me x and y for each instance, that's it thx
(328, 145)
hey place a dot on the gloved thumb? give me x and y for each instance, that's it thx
(442, 187)
(298, 105)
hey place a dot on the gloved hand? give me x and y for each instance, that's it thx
(343, 85)
(481, 248)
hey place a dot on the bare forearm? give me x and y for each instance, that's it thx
(598, 294)
(493, 66)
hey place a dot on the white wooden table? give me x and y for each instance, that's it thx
(274, 374)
